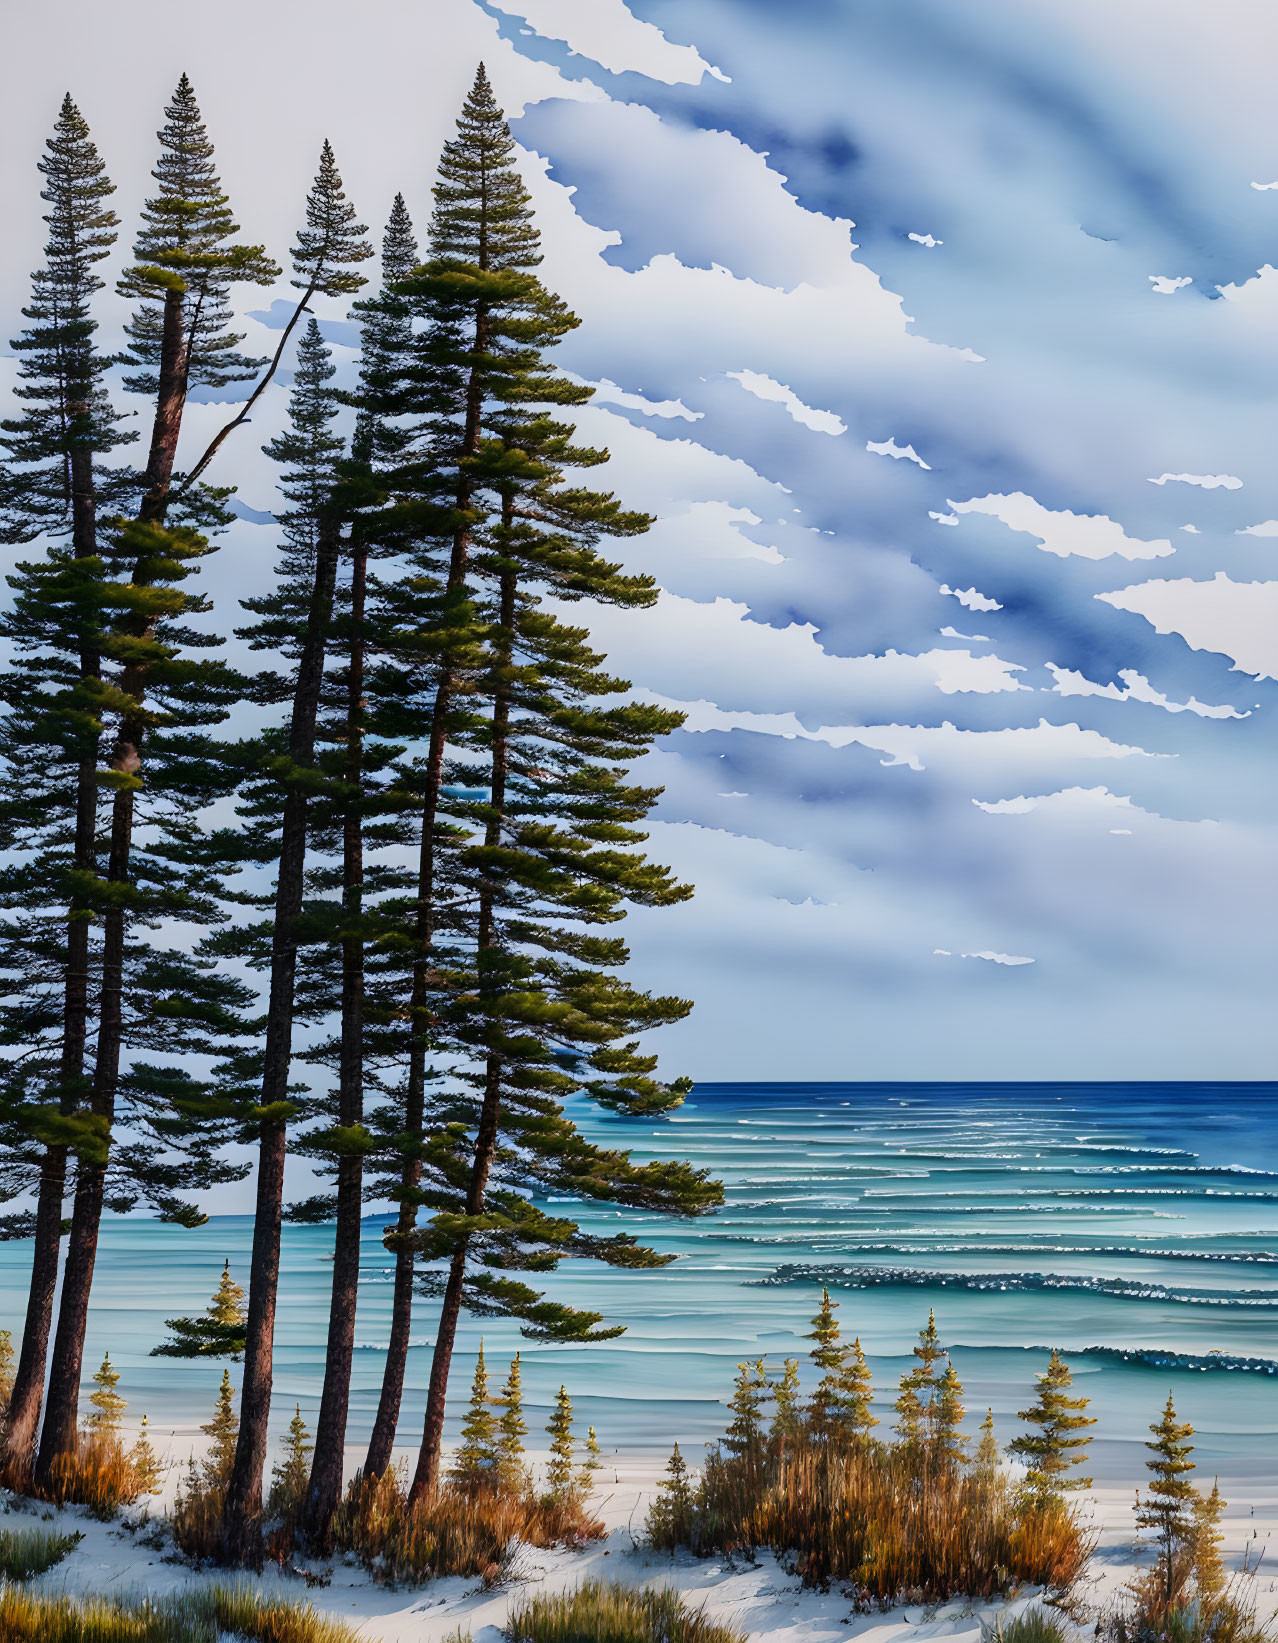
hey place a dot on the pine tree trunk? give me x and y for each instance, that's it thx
(325, 1487)
(23, 1414)
(58, 1436)
(241, 1537)
(428, 1461)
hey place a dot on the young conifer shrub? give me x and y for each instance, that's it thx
(291, 1472)
(560, 1479)
(108, 1406)
(1057, 1443)
(512, 1429)
(474, 1466)
(218, 1333)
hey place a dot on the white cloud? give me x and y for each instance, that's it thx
(889, 447)
(1165, 284)
(1263, 186)
(1234, 619)
(1068, 799)
(1266, 527)
(1089, 536)
(1136, 688)
(948, 632)
(764, 387)
(608, 393)
(929, 240)
(607, 32)
(959, 670)
(1192, 529)
(943, 518)
(1209, 482)
(988, 956)
(969, 598)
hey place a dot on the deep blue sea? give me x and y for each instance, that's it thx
(1133, 1226)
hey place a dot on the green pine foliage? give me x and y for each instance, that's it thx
(219, 1333)
(186, 260)
(474, 1464)
(672, 1515)
(148, 1469)
(987, 1462)
(542, 730)
(1169, 1500)
(787, 1416)
(560, 1467)
(745, 1435)
(221, 1430)
(1057, 1445)
(512, 1429)
(291, 1472)
(840, 1405)
(108, 1405)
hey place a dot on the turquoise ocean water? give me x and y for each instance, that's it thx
(1134, 1226)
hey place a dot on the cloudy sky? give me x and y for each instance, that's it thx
(942, 339)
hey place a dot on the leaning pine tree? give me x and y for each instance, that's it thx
(54, 700)
(542, 1014)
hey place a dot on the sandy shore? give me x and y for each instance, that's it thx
(760, 1598)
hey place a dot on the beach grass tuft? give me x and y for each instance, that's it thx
(1033, 1626)
(195, 1617)
(454, 1531)
(25, 1553)
(600, 1613)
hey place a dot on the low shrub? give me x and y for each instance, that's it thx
(599, 1613)
(871, 1516)
(99, 1473)
(25, 1553)
(197, 1617)
(454, 1531)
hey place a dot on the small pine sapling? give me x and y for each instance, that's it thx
(1058, 1442)
(475, 1463)
(290, 1474)
(744, 1437)
(559, 1468)
(948, 1412)
(673, 1512)
(1168, 1503)
(148, 1469)
(987, 1462)
(222, 1432)
(512, 1429)
(591, 1464)
(108, 1405)
(219, 1333)
(787, 1418)
(1205, 1544)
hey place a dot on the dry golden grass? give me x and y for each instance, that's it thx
(872, 1517)
(197, 1617)
(100, 1474)
(452, 1532)
(614, 1614)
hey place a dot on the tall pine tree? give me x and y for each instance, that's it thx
(323, 259)
(555, 850)
(55, 700)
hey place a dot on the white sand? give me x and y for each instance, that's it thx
(760, 1598)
